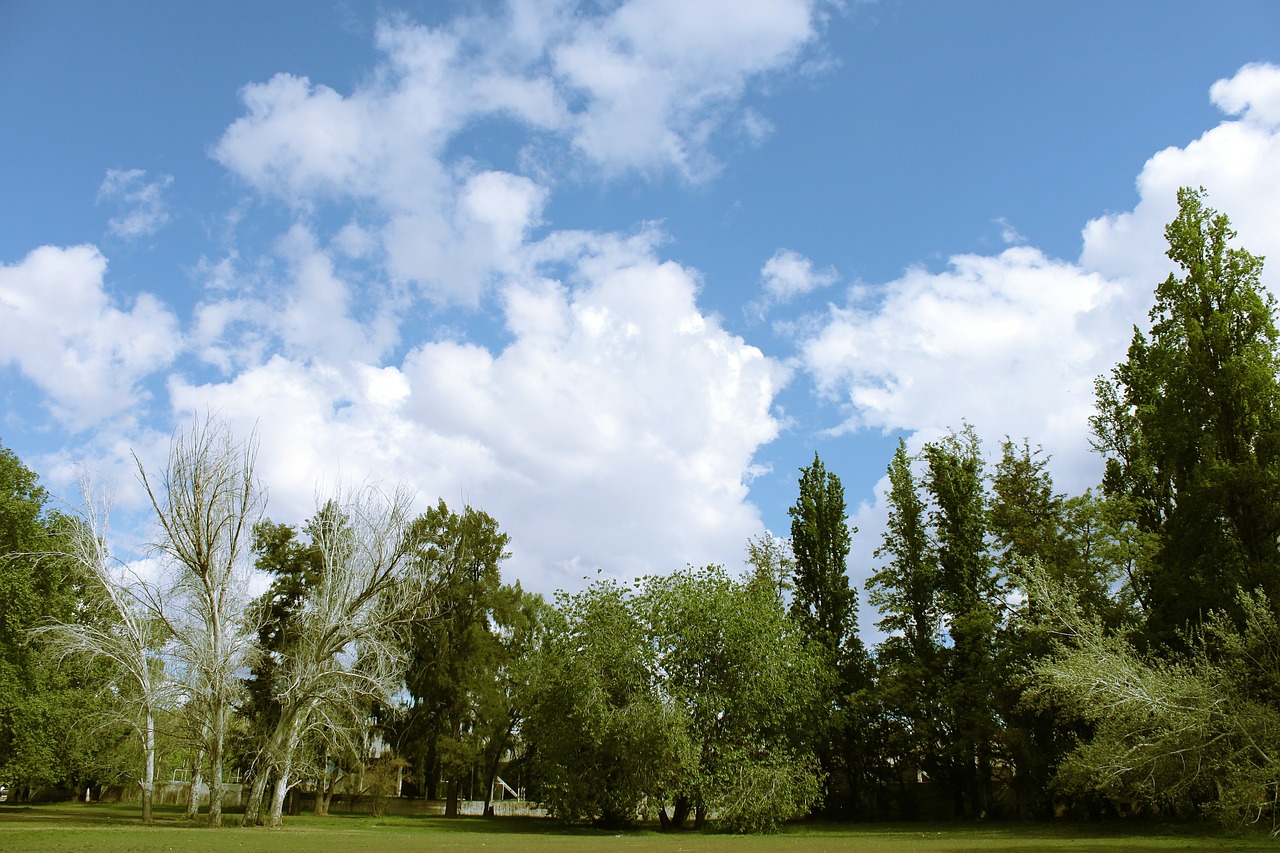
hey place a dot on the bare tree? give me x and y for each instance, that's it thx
(207, 500)
(343, 655)
(122, 629)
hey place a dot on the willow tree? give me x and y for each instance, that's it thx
(207, 501)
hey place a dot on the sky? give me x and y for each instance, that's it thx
(612, 272)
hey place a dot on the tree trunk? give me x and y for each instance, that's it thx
(499, 748)
(321, 806)
(451, 798)
(148, 768)
(215, 766)
(253, 807)
(324, 796)
(193, 790)
(277, 799)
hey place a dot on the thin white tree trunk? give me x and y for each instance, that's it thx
(197, 779)
(148, 767)
(215, 777)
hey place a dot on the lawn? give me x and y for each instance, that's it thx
(75, 827)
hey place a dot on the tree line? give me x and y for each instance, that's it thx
(1043, 654)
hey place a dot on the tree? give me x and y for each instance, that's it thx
(42, 707)
(1190, 426)
(751, 691)
(296, 567)
(968, 594)
(825, 605)
(823, 601)
(910, 658)
(340, 655)
(599, 736)
(941, 603)
(1177, 734)
(119, 629)
(453, 660)
(207, 501)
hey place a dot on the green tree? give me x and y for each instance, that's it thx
(1197, 732)
(823, 601)
(751, 690)
(599, 736)
(1190, 426)
(969, 595)
(825, 605)
(909, 661)
(454, 659)
(42, 708)
(939, 590)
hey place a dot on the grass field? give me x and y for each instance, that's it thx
(75, 827)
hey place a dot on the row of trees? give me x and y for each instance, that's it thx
(1115, 648)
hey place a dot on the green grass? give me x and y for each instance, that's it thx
(77, 827)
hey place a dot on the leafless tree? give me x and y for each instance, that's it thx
(207, 501)
(344, 655)
(120, 628)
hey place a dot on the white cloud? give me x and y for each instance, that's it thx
(615, 430)
(645, 86)
(143, 208)
(1238, 162)
(1253, 93)
(789, 274)
(1002, 342)
(67, 336)
(658, 75)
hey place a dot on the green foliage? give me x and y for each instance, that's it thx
(458, 673)
(1195, 732)
(751, 689)
(823, 601)
(1190, 426)
(601, 738)
(695, 691)
(42, 706)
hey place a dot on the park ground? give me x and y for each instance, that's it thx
(78, 827)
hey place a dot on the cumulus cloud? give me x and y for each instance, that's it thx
(68, 337)
(1012, 342)
(644, 86)
(143, 210)
(1002, 342)
(1238, 161)
(615, 430)
(657, 76)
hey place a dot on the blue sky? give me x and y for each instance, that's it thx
(611, 271)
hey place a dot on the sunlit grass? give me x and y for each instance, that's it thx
(78, 827)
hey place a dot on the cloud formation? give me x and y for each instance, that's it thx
(143, 210)
(644, 87)
(616, 429)
(70, 339)
(789, 274)
(1013, 342)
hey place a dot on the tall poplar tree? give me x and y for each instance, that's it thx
(823, 600)
(1190, 426)
(825, 606)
